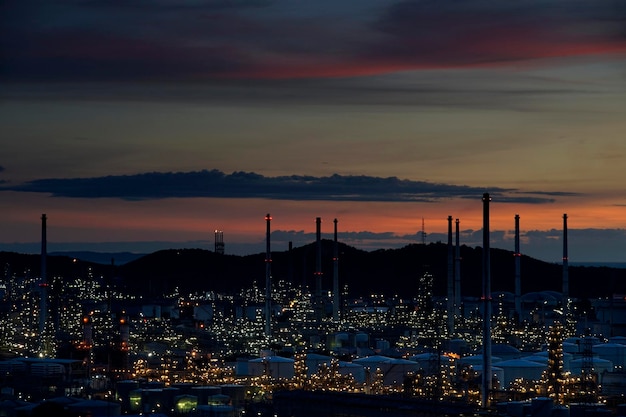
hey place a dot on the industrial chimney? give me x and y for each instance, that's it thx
(43, 285)
(318, 270)
(268, 278)
(457, 272)
(450, 301)
(565, 266)
(335, 276)
(486, 298)
(518, 278)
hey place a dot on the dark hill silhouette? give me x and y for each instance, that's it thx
(385, 271)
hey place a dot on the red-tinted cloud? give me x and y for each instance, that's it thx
(102, 40)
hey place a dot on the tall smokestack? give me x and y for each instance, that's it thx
(268, 278)
(318, 269)
(518, 277)
(565, 265)
(290, 273)
(450, 301)
(43, 285)
(486, 298)
(335, 276)
(457, 272)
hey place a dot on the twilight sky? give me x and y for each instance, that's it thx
(149, 124)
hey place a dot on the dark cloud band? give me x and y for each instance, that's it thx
(216, 184)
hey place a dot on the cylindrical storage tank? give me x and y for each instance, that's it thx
(219, 399)
(237, 393)
(539, 357)
(506, 352)
(613, 352)
(541, 407)
(560, 411)
(599, 365)
(396, 370)
(458, 346)
(275, 366)
(47, 369)
(496, 373)
(361, 340)
(477, 360)
(313, 362)
(12, 367)
(577, 345)
(372, 363)
(618, 339)
(185, 403)
(95, 408)
(357, 371)
(152, 400)
(588, 410)
(342, 340)
(204, 392)
(519, 368)
(431, 363)
(169, 394)
(135, 401)
(184, 387)
(516, 408)
(215, 411)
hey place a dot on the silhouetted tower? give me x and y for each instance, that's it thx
(290, 272)
(124, 339)
(565, 265)
(423, 232)
(486, 298)
(268, 278)
(318, 270)
(518, 277)
(426, 319)
(43, 285)
(87, 343)
(450, 301)
(219, 242)
(335, 276)
(457, 272)
(554, 373)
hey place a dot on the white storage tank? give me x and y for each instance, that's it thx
(95, 408)
(275, 366)
(314, 361)
(613, 352)
(542, 357)
(599, 366)
(519, 368)
(541, 407)
(202, 393)
(505, 352)
(372, 362)
(477, 360)
(431, 363)
(396, 370)
(517, 408)
(496, 372)
(354, 369)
